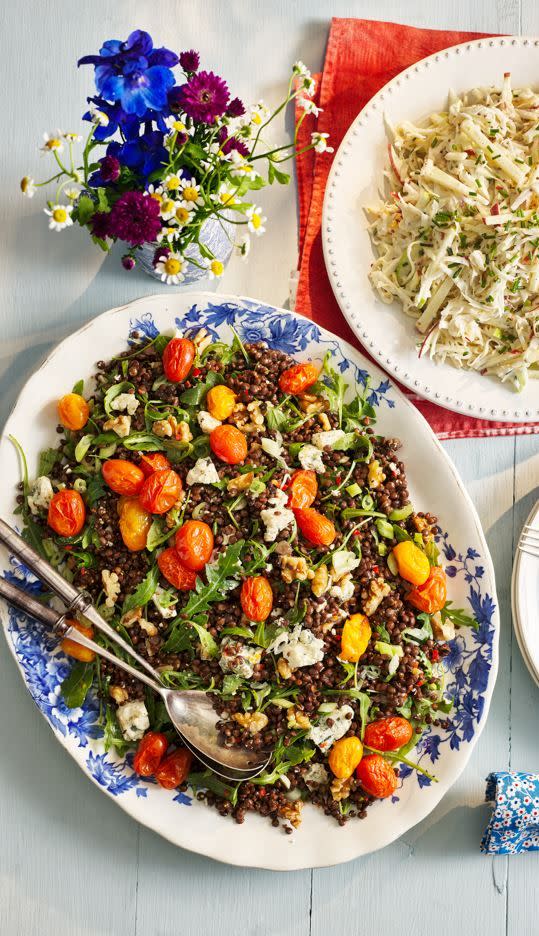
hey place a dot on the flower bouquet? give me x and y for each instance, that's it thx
(171, 163)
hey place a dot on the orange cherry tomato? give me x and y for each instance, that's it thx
(256, 598)
(344, 757)
(355, 637)
(174, 769)
(220, 402)
(315, 527)
(135, 523)
(74, 649)
(388, 734)
(302, 489)
(175, 572)
(229, 444)
(161, 491)
(153, 461)
(67, 513)
(432, 595)
(178, 358)
(412, 563)
(376, 776)
(298, 378)
(73, 411)
(194, 544)
(122, 477)
(150, 752)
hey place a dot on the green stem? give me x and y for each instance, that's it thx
(288, 98)
(400, 759)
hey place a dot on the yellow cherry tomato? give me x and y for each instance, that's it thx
(73, 411)
(220, 402)
(344, 757)
(412, 563)
(355, 637)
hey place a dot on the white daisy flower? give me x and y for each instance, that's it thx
(172, 183)
(226, 196)
(182, 214)
(216, 269)
(28, 186)
(319, 141)
(156, 192)
(308, 85)
(175, 124)
(190, 193)
(53, 141)
(241, 168)
(71, 193)
(308, 106)
(171, 269)
(98, 116)
(167, 208)
(73, 137)
(256, 220)
(301, 70)
(60, 217)
(243, 246)
(168, 234)
(258, 113)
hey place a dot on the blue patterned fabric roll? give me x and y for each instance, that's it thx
(514, 824)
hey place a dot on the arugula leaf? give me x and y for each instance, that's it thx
(299, 752)
(266, 633)
(222, 577)
(231, 684)
(74, 688)
(458, 616)
(207, 642)
(334, 386)
(419, 634)
(95, 488)
(355, 412)
(123, 387)
(356, 442)
(112, 735)
(195, 395)
(79, 387)
(159, 533)
(143, 592)
(237, 632)
(47, 460)
(179, 638)
(185, 680)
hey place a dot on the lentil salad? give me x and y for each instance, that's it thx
(247, 531)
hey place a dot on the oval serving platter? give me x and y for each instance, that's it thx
(434, 486)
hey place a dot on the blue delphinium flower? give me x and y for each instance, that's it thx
(133, 73)
(143, 154)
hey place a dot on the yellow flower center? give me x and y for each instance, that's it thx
(156, 196)
(256, 220)
(167, 206)
(182, 214)
(227, 198)
(53, 144)
(217, 267)
(173, 183)
(60, 214)
(25, 182)
(179, 126)
(256, 118)
(172, 266)
(190, 193)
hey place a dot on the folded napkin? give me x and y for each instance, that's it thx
(361, 57)
(514, 825)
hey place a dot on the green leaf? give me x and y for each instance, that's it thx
(24, 465)
(102, 199)
(195, 395)
(74, 688)
(47, 460)
(85, 209)
(352, 441)
(158, 534)
(222, 576)
(266, 633)
(231, 684)
(419, 634)
(112, 736)
(82, 446)
(143, 592)
(458, 616)
(282, 178)
(78, 387)
(95, 489)
(123, 387)
(207, 642)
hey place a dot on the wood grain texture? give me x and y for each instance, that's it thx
(71, 862)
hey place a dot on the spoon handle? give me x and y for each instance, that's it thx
(76, 635)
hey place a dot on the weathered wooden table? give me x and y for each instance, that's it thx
(71, 862)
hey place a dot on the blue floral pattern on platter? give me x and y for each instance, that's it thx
(468, 664)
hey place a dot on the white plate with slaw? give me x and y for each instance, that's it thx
(525, 600)
(356, 184)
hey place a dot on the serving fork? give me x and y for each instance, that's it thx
(529, 541)
(191, 711)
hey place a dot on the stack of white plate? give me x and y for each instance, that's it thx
(525, 601)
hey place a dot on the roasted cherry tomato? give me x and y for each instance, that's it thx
(432, 595)
(315, 527)
(194, 544)
(298, 378)
(135, 523)
(161, 491)
(376, 776)
(150, 752)
(388, 734)
(220, 402)
(74, 649)
(174, 769)
(344, 757)
(170, 566)
(229, 444)
(178, 358)
(122, 477)
(67, 513)
(302, 489)
(153, 461)
(73, 411)
(355, 637)
(256, 598)
(412, 563)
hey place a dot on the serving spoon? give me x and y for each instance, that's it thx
(190, 711)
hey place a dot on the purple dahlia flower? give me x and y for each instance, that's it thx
(128, 262)
(236, 108)
(190, 61)
(100, 225)
(135, 218)
(109, 171)
(204, 97)
(234, 144)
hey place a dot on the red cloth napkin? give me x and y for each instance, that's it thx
(361, 57)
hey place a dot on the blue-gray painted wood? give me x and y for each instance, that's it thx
(71, 862)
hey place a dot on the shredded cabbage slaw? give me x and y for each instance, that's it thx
(458, 238)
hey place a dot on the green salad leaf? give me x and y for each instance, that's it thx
(123, 387)
(222, 576)
(74, 688)
(47, 460)
(143, 592)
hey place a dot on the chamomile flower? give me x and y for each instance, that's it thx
(258, 113)
(73, 137)
(28, 186)
(255, 220)
(305, 80)
(168, 234)
(308, 106)
(216, 269)
(190, 193)
(319, 142)
(60, 217)
(243, 246)
(72, 193)
(167, 208)
(226, 196)
(156, 192)
(53, 142)
(240, 167)
(99, 118)
(176, 125)
(301, 70)
(308, 85)
(172, 183)
(182, 215)
(171, 269)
